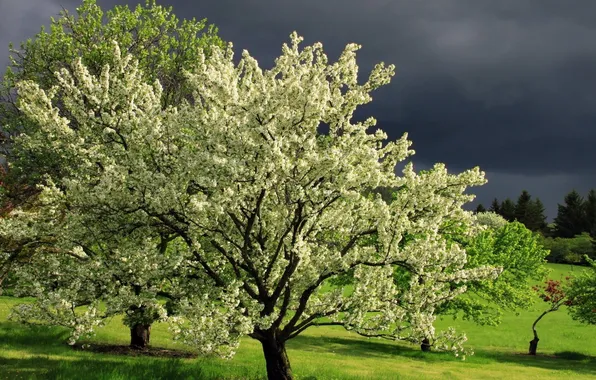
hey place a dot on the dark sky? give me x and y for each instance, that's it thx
(507, 85)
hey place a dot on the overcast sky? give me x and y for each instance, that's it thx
(507, 85)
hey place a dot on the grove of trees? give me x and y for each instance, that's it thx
(528, 211)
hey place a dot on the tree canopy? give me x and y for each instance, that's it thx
(265, 209)
(508, 245)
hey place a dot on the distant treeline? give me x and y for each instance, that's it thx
(573, 232)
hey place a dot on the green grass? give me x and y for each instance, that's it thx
(568, 350)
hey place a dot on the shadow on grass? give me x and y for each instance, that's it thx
(42, 353)
(364, 348)
(42, 342)
(561, 361)
(35, 339)
(43, 368)
(569, 355)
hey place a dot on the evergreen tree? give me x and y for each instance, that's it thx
(536, 219)
(541, 212)
(508, 210)
(480, 208)
(571, 216)
(495, 206)
(522, 207)
(590, 210)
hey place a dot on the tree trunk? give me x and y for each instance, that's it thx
(425, 346)
(139, 336)
(534, 342)
(533, 346)
(278, 365)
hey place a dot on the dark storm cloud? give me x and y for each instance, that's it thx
(507, 85)
(22, 19)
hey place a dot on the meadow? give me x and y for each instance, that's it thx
(567, 349)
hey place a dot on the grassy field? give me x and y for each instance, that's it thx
(568, 350)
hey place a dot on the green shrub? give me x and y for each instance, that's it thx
(569, 251)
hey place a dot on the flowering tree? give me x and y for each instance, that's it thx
(267, 208)
(582, 293)
(554, 295)
(163, 47)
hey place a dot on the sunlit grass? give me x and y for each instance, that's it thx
(568, 350)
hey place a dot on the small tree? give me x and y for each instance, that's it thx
(553, 294)
(268, 209)
(490, 220)
(582, 293)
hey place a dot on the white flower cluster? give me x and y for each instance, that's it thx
(490, 219)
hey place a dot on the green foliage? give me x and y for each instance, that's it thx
(582, 294)
(519, 252)
(568, 250)
(553, 294)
